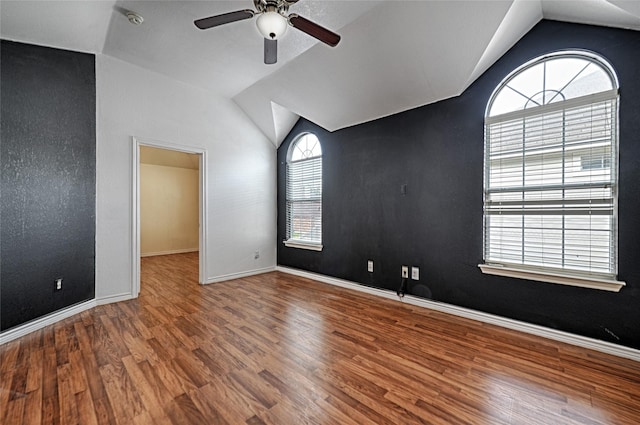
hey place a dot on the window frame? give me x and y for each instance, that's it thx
(564, 276)
(290, 241)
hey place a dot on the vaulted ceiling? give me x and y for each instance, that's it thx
(394, 55)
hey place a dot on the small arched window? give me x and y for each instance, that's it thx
(551, 181)
(304, 193)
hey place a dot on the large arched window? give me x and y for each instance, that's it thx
(304, 193)
(551, 181)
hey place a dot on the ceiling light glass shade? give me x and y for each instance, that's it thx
(272, 25)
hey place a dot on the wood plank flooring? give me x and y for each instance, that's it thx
(278, 349)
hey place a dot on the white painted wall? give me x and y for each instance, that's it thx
(132, 101)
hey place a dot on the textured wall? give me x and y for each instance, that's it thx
(47, 157)
(437, 151)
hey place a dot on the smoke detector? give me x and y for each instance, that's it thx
(134, 18)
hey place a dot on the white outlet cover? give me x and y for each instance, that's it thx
(415, 273)
(405, 271)
(370, 266)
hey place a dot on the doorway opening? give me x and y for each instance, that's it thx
(169, 204)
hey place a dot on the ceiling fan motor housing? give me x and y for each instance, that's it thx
(280, 6)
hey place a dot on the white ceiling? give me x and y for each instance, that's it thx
(394, 55)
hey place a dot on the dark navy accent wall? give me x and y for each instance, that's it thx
(48, 163)
(437, 152)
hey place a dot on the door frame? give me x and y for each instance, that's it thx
(137, 142)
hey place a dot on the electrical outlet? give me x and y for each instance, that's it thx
(405, 271)
(58, 284)
(415, 273)
(370, 266)
(256, 255)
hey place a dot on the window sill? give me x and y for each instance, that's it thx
(561, 279)
(291, 243)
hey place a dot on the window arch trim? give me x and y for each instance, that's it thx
(587, 55)
(295, 143)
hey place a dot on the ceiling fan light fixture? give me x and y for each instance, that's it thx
(272, 25)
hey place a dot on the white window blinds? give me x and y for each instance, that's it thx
(304, 191)
(550, 186)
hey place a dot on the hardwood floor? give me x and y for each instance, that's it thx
(278, 349)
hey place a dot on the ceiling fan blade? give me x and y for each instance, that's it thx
(225, 18)
(270, 51)
(314, 30)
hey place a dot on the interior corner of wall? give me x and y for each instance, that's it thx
(283, 121)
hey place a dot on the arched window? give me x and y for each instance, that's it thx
(551, 181)
(304, 193)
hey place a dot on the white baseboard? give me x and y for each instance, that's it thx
(47, 320)
(114, 298)
(231, 276)
(174, 251)
(556, 335)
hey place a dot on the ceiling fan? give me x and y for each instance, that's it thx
(272, 23)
